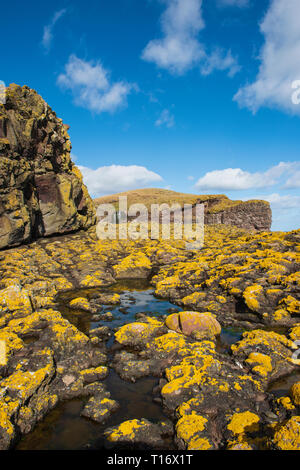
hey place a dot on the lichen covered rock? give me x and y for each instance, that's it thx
(141, 433)
(41, 189)
(287, 437)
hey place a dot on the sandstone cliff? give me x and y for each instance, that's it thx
(219, 209)
(249, 215)
(41, 190)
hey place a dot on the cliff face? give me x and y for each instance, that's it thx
(219, 209)
(249, 215)
(41, 190)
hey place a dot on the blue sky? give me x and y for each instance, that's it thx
(189, 95)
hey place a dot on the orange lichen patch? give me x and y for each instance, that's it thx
(131, 263)
(193, 299)
(93, 280)
(261, 362)
(287, 437)
(163, 286)
(295, 393)
(292, 305)
(194, 369)
(15, 299)
(241, 423)
(286, 403)
(126, 430)
(11, 340)
(8, 408)
(189, 425)
(24, 384)
(295, 333)
(187, 408)
(81, 303)
(97, 373)
(62, 330)
(251, 295)
(199, 443)
(137, 331)
(281, 314)
(169, 342)
(261, 337)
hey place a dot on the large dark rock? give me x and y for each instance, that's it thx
(41, 189)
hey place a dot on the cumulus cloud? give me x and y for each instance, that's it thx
(48, 29)
(284, 202)
(236, 179)
(285, 211)
(91, 86)
(279, 60)
(117, 178)
(294, 181)
(234, 3)
(220, 60)
(165, 119)
(179, 49)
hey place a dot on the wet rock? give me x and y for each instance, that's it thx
(103, 332)
(81, 303)
(41, 373)
(99, 408)
(123, 310)
(94, 374)
(269, 354)
(199, 325)
(140, 434)
(107, 298)
(134, 334)
(134, 266)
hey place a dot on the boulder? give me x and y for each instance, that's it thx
(198, 324)
(41, 190)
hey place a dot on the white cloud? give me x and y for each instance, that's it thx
(165, 119)
(279, 60)
(236, 179)
(117, 178)
(284, 202)
(179, 49)
(294, 181)
(91, 86)
(285, 211)
(234, 3)
(48, 29)
(220, 60)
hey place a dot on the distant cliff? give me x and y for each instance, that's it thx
(219, 209)
(250, 215)
(41, 190)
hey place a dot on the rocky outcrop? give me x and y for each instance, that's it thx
(41, 189)
(249, 215)
(252, 215)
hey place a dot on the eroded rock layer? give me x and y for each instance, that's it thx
(41, 190)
